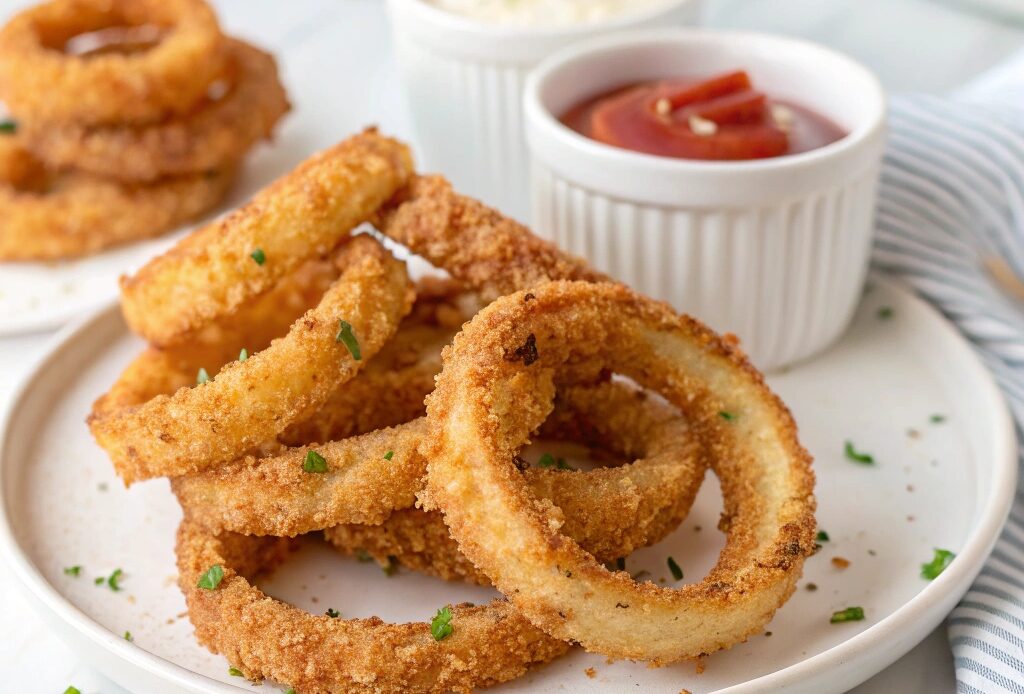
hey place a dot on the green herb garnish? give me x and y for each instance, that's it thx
(850, 614)
(441, 624)
(389, 455)
(391, 568)
(677, 572)
(235, 672)
(937, 418)
(128, 636)
(8, 127)
(72, 690)
(885, 313)
(363, 556)
(259, 256)
(332, 613)
(314, 462)
(202, 377)
(547, 460)
(98, 580)
(862, 458)
(938, 564)
(212, 578)
(822, 536)
(243, 355)
(346, 335)
(73, 570)
(727, 416)
(112, 580)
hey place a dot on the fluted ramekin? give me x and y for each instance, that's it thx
(772, 250)
(463, 81)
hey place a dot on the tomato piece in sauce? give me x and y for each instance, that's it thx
(721, 118)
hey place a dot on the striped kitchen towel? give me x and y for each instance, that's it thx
(950, 223)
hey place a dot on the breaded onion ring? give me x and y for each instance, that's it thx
(495, 388)
(476, 244)
(212, 272)
(39, 81)
(51, 216)
(610, 511)
(250, 402)
(264, 637)
(215, 134)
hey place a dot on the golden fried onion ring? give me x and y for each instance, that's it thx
(609, 511)
(218, 133)
(250, 402)
(211, 272)
(477, 245)
(495, 388)
(52, 216)
(39, 81)
(264, 637)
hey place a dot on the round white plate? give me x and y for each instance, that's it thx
(946, 484)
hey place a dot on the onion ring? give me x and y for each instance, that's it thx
(216, 134)
(40, 82)
(50, 217)
(264, 637)
(477, 245)
(212, 272)
(496, 386)
(610, 511)
(250, 402)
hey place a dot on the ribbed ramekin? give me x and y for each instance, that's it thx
(463, 81)
(773, 250)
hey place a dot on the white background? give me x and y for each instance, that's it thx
(914, 45)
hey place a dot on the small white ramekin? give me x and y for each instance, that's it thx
(774, 250)
(463, 81)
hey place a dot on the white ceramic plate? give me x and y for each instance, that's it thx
(945, 484)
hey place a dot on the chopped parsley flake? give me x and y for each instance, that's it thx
(389, 455)
(363, 556)
(8, 127)
(243, 355)
(937, 418)
(346, 336)
(822, 536)
(73, 570)
(202, 377)
(99, 580)
(72, 690)
(441, 624)
(259, 256)
(885, 313)
(112, 580)
(314, 462)
(128, 636)
(212, 578)
(727, 416)
(677, 572)
(235, 672)
(332, 613)
(291, 690)
(862, 458)
(850, 614)
(391, 568)
(938, 564)
(547, 460)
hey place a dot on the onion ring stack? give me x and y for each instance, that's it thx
(133, 137)
(327, 401)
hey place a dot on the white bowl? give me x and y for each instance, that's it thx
(772, 250)
(463, 81)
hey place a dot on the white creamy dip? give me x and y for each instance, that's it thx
(543, 12)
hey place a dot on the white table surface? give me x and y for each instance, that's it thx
(920, 45)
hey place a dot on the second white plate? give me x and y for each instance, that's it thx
(945, 484)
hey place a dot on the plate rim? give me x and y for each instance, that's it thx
(916, 615)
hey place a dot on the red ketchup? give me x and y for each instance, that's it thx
(721, 118)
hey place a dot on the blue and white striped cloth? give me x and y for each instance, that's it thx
(950, 222)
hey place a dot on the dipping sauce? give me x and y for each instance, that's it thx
(543, 12)
(721, 118)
